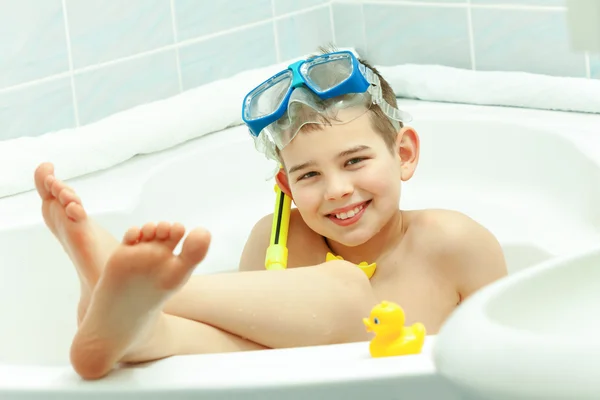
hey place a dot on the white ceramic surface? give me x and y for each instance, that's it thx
(531, 336)
(530, 176)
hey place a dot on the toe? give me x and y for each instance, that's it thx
(56, 187)
(68, 196)
(132, 236)
(175, 235)
(163, 230)
(148, 231)
(75, 212)
(48, 183)
(195, 246)
(41, 173)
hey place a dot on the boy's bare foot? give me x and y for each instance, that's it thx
(88, 247)
(126, 304)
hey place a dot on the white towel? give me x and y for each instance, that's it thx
(213, 107)
(516, 89)
(143, 129)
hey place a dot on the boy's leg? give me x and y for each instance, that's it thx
(125, 322)
(88, 245)
(316, 305)
(298, 307)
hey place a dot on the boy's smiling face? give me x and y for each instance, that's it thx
(345, 180)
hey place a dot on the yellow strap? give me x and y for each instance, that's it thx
(368, 269)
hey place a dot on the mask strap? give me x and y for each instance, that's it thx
(392, 113)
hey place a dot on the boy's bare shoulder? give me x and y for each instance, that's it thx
(466, 250)
(439, 225)
(300, 238)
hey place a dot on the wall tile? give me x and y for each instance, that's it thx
(226, 55)
(552, 3)
(349, 26)
(196, 18)
(595, 66)
(104, 30)
(524, 40)
(509, 35)
(32, 40)
(124, 85)
(36, 109)
(420, 35)
(288, 6)
(302, 34)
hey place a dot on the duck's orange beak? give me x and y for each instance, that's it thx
(368, 324)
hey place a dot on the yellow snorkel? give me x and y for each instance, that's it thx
(277, 252)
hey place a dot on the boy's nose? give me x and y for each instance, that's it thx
(338, 188)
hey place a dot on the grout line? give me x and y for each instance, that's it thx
(70, 58)
(332, 23)
(588, 65)
(175, 39)
(275, 36)
(35, 82)
(251, 25)
(159, 50)
(117, 61)
(214, 35)
(302, 11)
(471, 36)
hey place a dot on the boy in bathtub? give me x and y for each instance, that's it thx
(345, 151)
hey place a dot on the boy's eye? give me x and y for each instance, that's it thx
(307, 175)
(353, 161)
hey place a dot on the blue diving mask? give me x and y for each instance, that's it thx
(313, 91)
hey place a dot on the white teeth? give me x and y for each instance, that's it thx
(349, 214)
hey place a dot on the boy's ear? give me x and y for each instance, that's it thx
(282, 181)
(408, 146)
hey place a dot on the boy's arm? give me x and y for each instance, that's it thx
(472, 254)
(253, 255)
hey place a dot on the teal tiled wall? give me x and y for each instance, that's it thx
(499, 35)
(396, 34)
(65, 63)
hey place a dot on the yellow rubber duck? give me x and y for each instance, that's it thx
(368, 269)
(392, 338)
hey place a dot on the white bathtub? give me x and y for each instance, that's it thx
(532, 177)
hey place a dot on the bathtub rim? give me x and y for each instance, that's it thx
(475, 317)
(442, 111)
(155, 378)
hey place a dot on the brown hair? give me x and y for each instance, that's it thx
(379, 121)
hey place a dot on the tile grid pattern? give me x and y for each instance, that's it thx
(81, 60)
(64, 63)
(505, 35)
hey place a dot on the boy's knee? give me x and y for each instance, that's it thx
(355, 298)
(352, 278)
